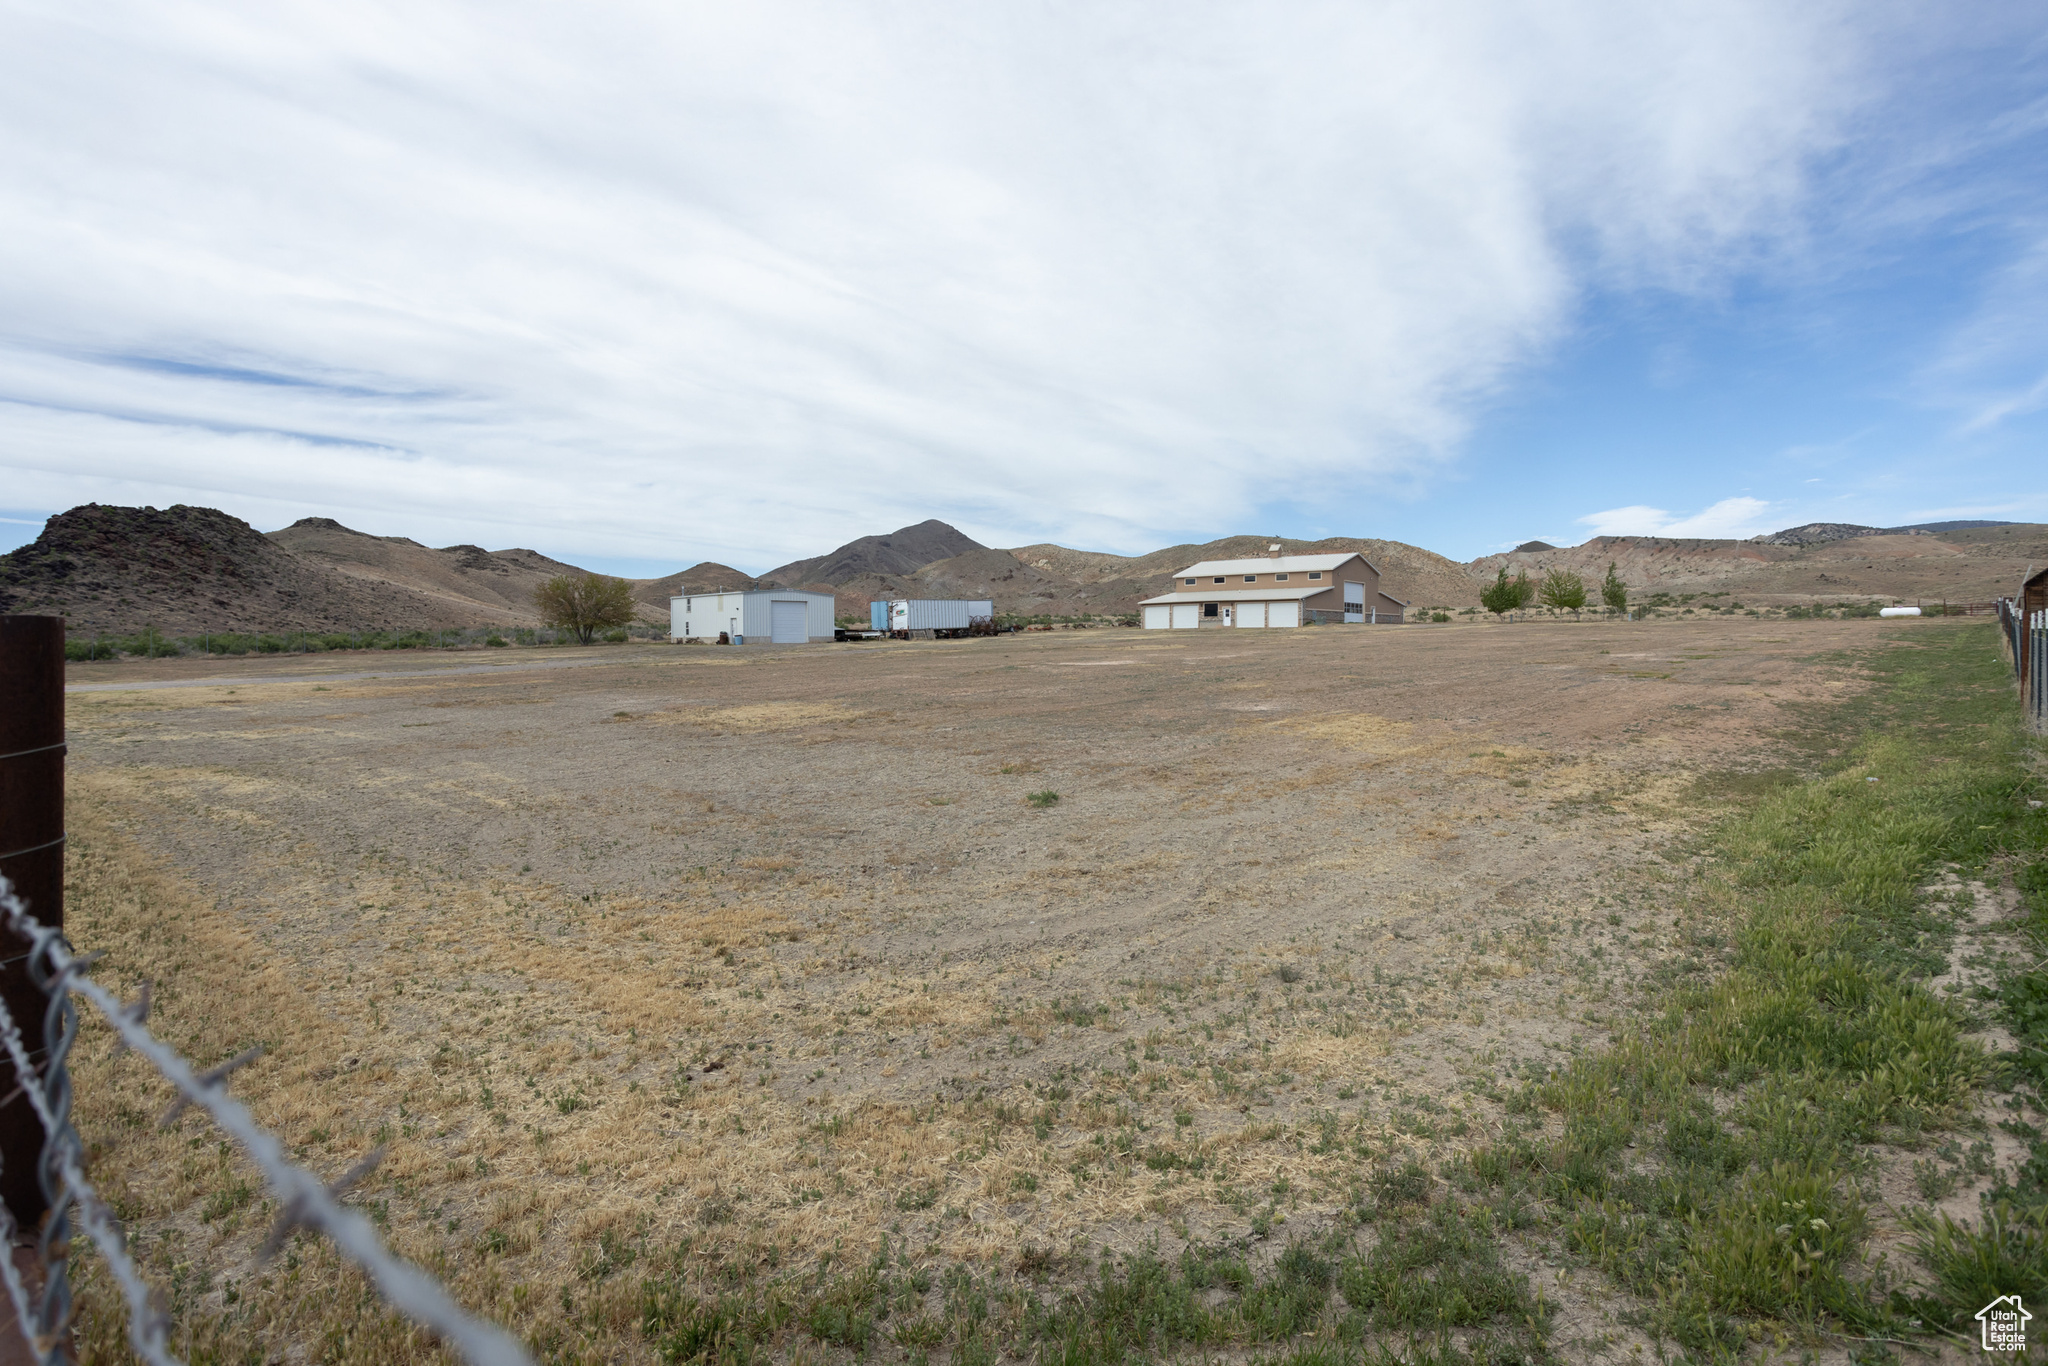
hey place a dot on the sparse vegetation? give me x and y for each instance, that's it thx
(1761, 1093)
(155, 645)
(750, 1143)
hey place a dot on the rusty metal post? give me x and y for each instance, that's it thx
(32, 860)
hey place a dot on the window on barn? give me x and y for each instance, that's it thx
(1209, 608)
(1190, 581)
(1280, 578)
(1219, 578)
(1251, 578)
(1315, 573)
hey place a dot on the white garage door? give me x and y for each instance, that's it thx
(1283, 614)
(1186, 616)
(1251, 614)
(789, 622)
(1158, 618)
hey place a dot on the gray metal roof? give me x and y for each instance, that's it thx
(1272, 564)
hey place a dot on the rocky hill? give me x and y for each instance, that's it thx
(470, 585)
(1970, 563)
(1817, 533)
(185, 570)
(903, 551)
(1119, 582)
(707, 577)
(1054, 580)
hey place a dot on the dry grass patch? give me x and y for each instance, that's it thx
(755, 718)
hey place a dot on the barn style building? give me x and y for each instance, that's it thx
(1276, 590)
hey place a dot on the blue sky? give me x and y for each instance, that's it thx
(645, 285)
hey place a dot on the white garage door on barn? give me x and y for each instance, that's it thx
(1158, 618)
(1283, 614)
(1186, 616)
(1251, 614)
(789, 623)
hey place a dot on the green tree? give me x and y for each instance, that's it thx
(1501, 596)
(584, 605)
(1564, 590)
(1613, 591)
(1525, 592)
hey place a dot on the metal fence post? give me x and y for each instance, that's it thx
(32, 859)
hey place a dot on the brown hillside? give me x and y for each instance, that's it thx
(1970, 565)
(474, 586)
(185, 570)
(993, 574)
(903, 551)
(707, 577)
(1413, 574)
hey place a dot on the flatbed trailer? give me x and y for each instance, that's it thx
(979, 628)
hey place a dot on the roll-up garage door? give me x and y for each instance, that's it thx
(789, 622)
(1186, 616)
(1158, 618)
(1283, 614)
(1251, 614)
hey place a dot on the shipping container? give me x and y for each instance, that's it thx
(936, 614)
(878, 615)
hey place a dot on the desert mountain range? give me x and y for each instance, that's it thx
(183, 570)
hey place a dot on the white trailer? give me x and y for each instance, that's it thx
(766, 616)
(938, 614)
(932, 618)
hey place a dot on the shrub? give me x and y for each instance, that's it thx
(1044, 799)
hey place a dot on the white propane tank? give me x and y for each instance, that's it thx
(1898, 611)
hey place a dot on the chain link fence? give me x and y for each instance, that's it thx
(304, 1200)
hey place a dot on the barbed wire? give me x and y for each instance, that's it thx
(304, 1200)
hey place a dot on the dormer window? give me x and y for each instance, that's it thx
(1315, 573)
(1251, 578)
(1190, 582)
(1280, 578)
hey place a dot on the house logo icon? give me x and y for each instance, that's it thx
(2005, 1324)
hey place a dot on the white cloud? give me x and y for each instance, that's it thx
(1729, 519)
(742, 280)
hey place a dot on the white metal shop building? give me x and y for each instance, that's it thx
(1275, 590)
(763, 616)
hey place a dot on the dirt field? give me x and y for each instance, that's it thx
(765, 954)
